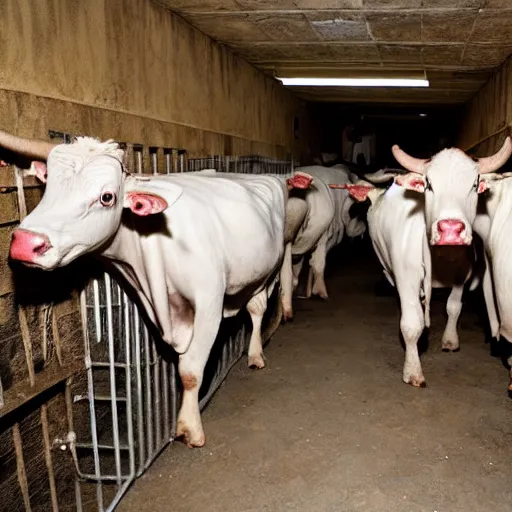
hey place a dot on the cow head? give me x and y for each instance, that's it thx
(450, 182)
(80, 211)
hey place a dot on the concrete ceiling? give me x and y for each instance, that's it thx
(457, 43)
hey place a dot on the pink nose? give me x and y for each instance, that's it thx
(27, 245)
(450, 231)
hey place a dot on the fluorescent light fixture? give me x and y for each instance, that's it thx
(422, 115)
(356, 82)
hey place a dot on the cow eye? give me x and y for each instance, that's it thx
(107, 199)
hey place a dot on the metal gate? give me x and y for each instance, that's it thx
(116, 405)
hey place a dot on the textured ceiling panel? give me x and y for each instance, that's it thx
(457, 44)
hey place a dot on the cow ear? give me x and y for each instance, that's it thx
(487, 180)
(412, 181)
(359, 192)
(144, 203)
(482, 186)
(141, 195)
(300, 180)
(37, 169)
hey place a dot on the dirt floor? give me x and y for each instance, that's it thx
(329, 426)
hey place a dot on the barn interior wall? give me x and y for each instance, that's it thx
(132, 70)
(487, 118)
(123, 69)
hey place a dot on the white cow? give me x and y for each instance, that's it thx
(494, 224)
(307, 215)
(330, 221)
(401, 225)
(194, 248)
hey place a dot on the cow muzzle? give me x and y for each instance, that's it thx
(28, 247)
(450, 232)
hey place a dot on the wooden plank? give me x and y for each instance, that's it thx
(8, 179)
(23, 392)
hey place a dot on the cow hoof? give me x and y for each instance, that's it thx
(449, 346)
(417, 382)
(322, 296)
(190, 438)
(287, 316)
(256, 362)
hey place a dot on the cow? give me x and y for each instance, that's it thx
(494, 224)
(341, 223)
(309, 214)
(194, 248)
(424, 240)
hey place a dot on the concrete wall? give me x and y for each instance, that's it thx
(123, 69)
(130, 69)
(487, 118)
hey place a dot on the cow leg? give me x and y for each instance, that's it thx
(297, 268)
(191, 368)
(427, 281)
(309, 284)
(490, 304)
(411, 326)
(256, 308)
(287, 285)
(317, 263)
(450, 340)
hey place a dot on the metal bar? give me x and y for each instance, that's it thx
(138, 159)
(120, 493)
(153, 153)
(96, 305)
(27, 344)
(92, 410)
(72, 446)
(128, 377)
(102, 478)
(78, 496)
(182, 160)
(165, 387)
(98, 398)
(174, 399)
(149, 401)
(140, 406)
(48, 457)
(157, 395)
(240, 342)
(101, 364)
(102, 446)
(20, 464)
(167, 160)
(113, 390)
(175, 160)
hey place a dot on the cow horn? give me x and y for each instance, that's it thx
(32, 148)
(410, 163)
(493, 163)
